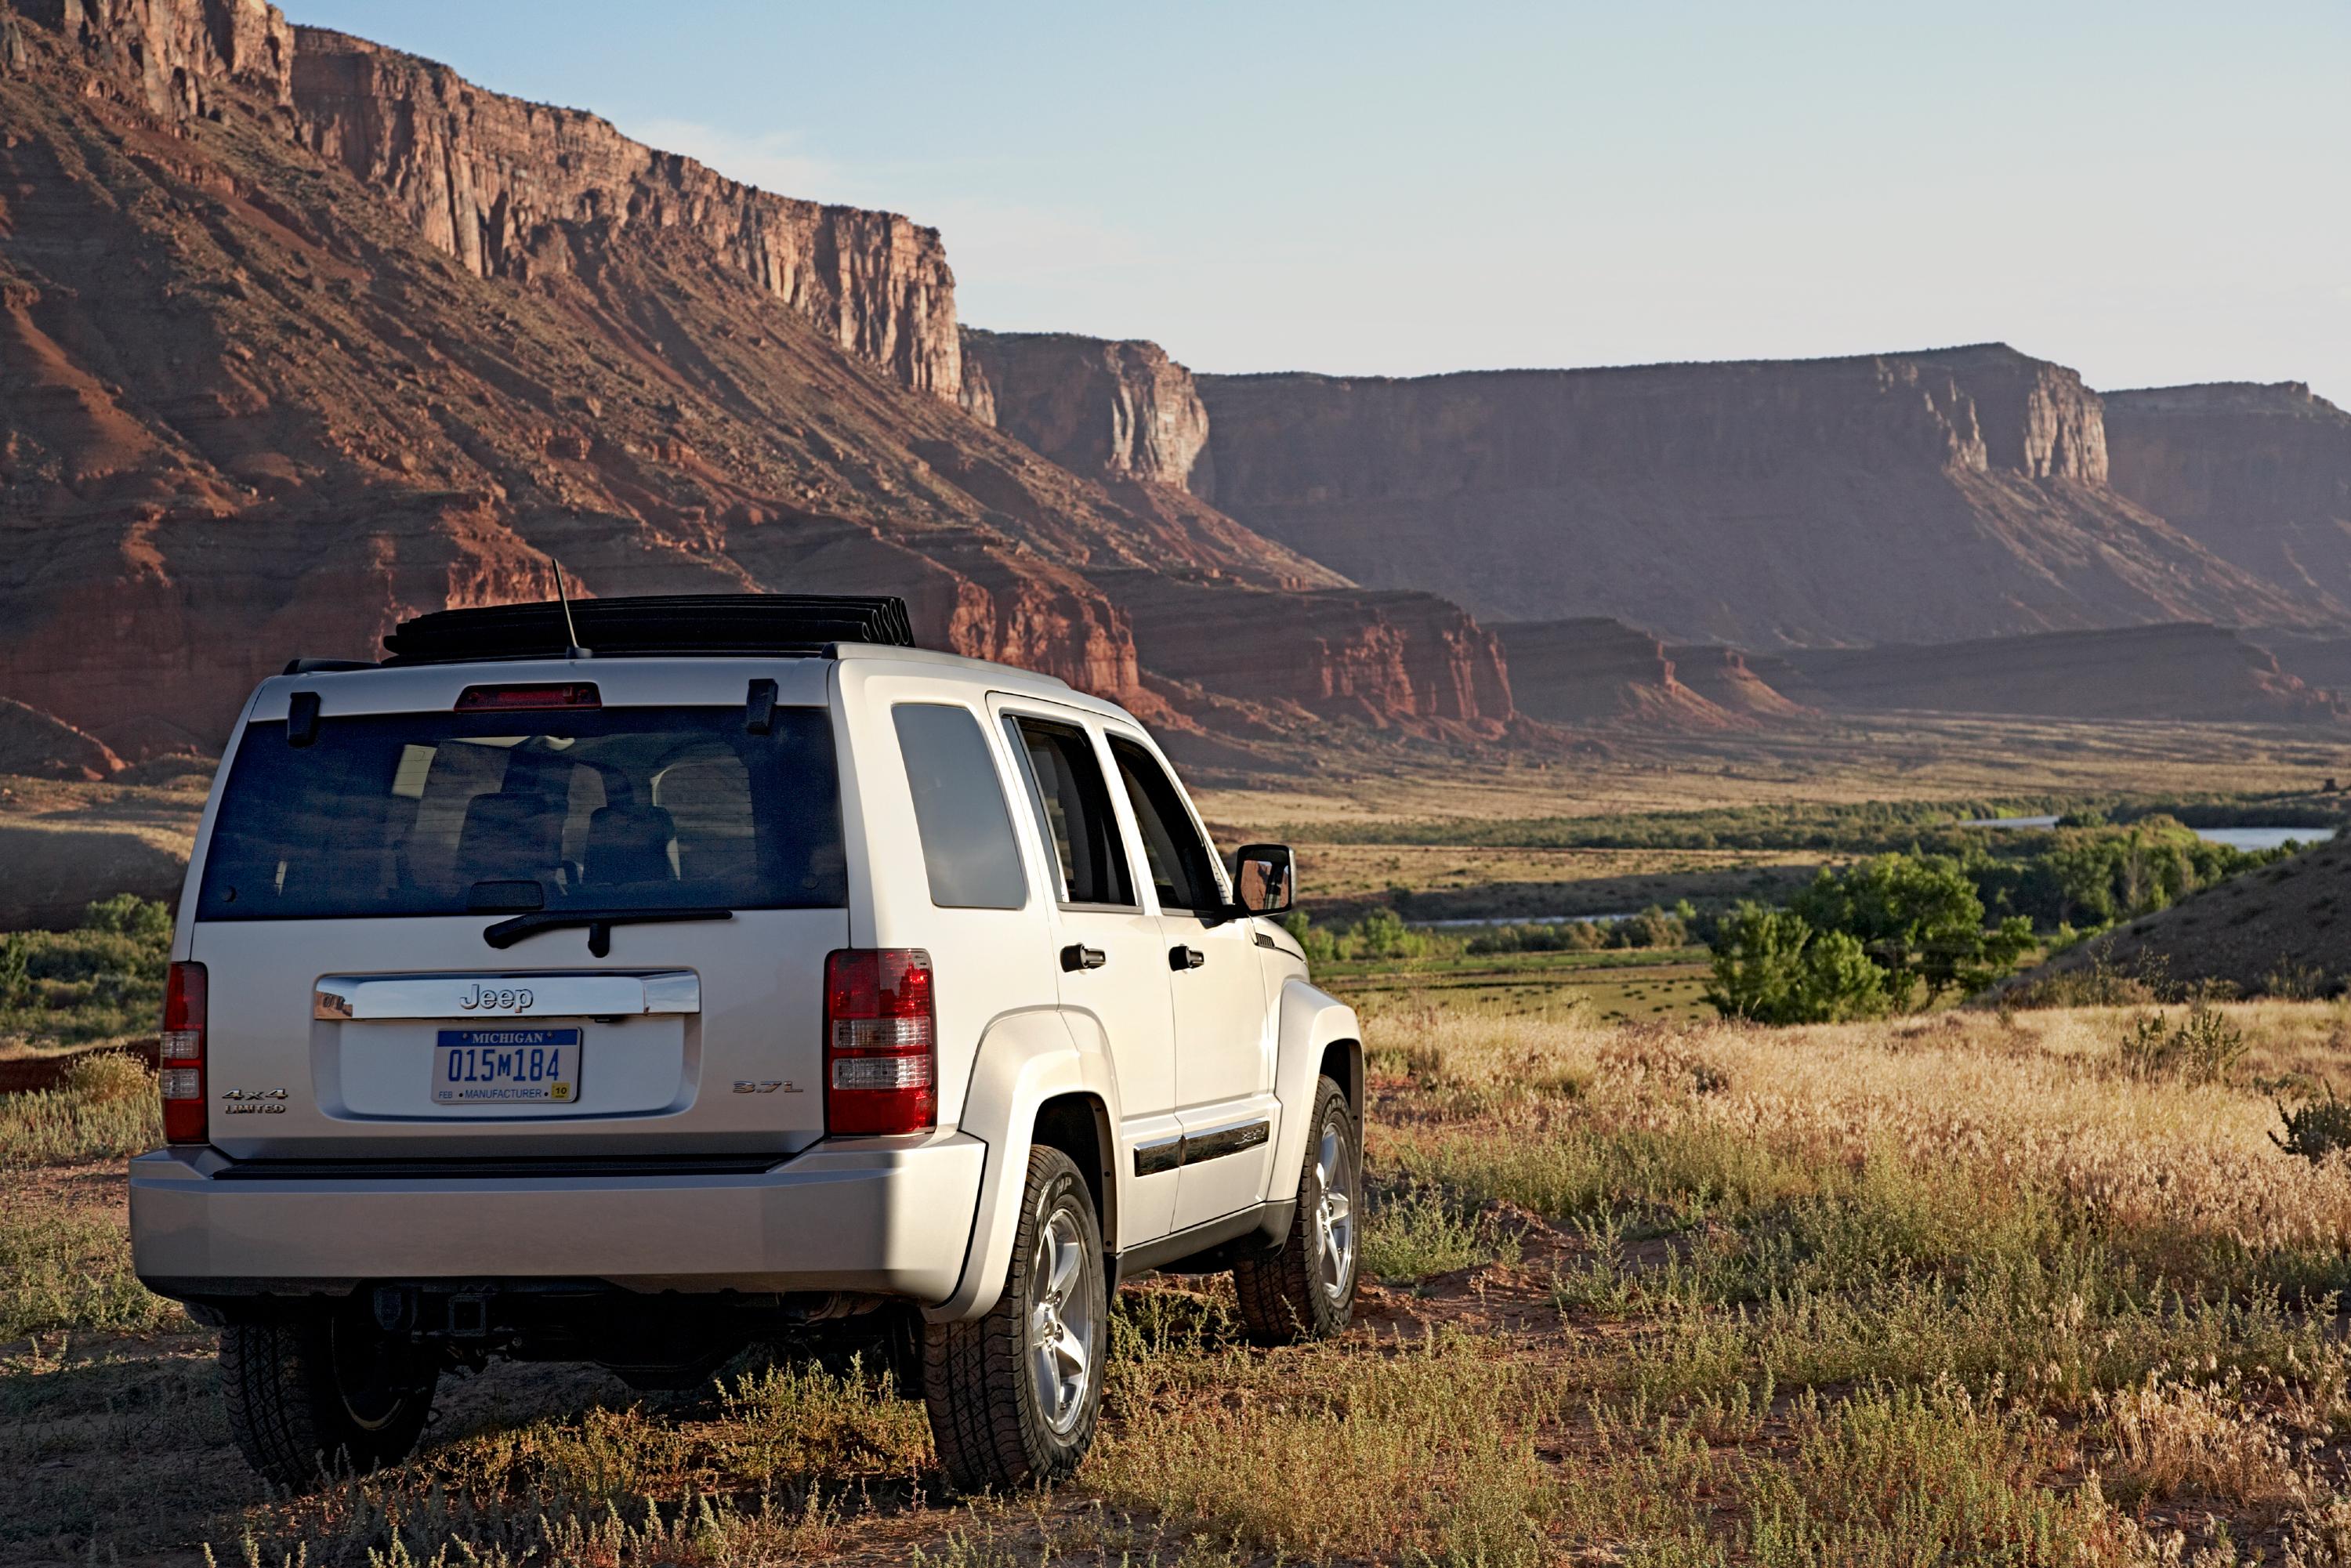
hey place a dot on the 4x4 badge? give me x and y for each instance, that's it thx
(255, 1101)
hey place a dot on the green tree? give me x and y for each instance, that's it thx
(1315, 941)
(1771, 966)
(1919, 919)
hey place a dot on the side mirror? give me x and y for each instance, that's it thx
(1265, 879)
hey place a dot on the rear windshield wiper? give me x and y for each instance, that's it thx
(600, 923)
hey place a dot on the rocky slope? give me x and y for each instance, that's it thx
(2321, 662)
(1595, 671)
(36, 745)
(2282, 926)
(315, 346)
(2179, 671)
(1726, 677)
(1943, 495)
(2260, 476)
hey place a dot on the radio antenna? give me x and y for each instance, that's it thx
(570, 631)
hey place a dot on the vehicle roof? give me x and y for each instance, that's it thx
(649, 680)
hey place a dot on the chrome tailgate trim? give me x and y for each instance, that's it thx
(359, 998)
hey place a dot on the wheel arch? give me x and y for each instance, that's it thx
(1030, 1082)
(1318, 1033)
(1078, 1122)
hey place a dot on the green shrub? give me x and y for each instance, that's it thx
(145, 920)
(102, 981)
(16, 970)
(2204, 1047)
(1770, 966)
(2316, 1128)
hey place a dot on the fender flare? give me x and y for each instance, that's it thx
(1024, 1059)
(1310, 1022)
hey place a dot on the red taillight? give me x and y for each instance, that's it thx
(181, 1067)
(881, 1046)
(510, 699)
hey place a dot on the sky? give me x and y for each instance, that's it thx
(2152, 193)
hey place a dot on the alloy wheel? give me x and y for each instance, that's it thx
(1335, 1219)
(1062, 1330)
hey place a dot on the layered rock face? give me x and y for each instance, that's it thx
(1596, 671)
(2260, 476)
(249, 409)
(2182, 671)
(170, 51)
(513, 189)
(1948, 493)
(1385, 658)
(1089, 403)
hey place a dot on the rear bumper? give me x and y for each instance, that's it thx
(882, 1216)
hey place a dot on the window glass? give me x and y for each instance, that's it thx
(613, 809)
(1180, 867)
(967, 845)
(1073, 809)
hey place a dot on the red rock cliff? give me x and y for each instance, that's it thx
(1089, 403)
(2261, 476)
(1961, 492)
(513, 189)
(1388, 658)
(170, 51)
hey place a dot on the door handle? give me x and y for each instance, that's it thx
(1180, 958)
(1077, 956)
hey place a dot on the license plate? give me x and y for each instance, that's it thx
(506, 1067)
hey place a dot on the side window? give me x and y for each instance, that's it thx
(967, 845)
(1180, 867)
(1073, 809)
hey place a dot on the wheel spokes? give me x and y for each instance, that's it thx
(1068, 1258)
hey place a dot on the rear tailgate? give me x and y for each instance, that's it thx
(685, 1039)
(373, 828)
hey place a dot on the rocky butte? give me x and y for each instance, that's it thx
(2261, 476)
(1958, 493)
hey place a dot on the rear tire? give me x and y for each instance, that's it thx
(1305, 1289)
(321, 1392)
(1014, 1395)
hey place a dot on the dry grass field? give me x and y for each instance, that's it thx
(1889, 757)
(1972, 1287)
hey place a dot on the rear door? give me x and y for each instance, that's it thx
(1112, 959)
(1224, 1050)
(357, 910)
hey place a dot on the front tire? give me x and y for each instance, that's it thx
(1305, 1289)
(1014, 1395)
(323, 1391)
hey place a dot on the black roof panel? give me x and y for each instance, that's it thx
(655, 623)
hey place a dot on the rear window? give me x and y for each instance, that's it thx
(454, 813)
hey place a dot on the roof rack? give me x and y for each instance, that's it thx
(665, 623)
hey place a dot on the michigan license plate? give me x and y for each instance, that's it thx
(506, 1067)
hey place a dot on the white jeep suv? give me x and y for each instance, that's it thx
(758, 977)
